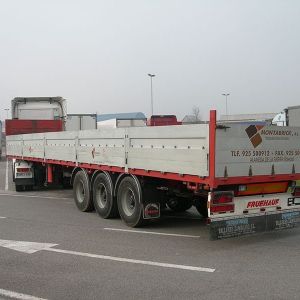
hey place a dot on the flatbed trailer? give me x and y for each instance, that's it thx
(242, 178)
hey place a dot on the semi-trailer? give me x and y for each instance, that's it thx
(33, 115)
(241, 177)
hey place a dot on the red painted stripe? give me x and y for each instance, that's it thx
(256, 179)
(156, 174)
(211, 181)
(212, 147)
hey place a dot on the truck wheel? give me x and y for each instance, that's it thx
(201, 206)
(28, 187)
(82, 193)
(104, 201)
(129, 198)
(179, 204)
(19, 188)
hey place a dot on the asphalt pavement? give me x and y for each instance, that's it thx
(92, 258)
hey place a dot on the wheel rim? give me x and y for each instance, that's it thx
(172, 203)
(80, 192)
(129, 202)
(101, 195)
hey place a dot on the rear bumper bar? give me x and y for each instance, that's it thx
(245, 225)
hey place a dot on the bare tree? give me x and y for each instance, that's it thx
(196, 113)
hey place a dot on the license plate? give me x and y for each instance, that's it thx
(23, 174)
(253, 224)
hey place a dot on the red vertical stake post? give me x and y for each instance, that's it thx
(49, 173)
(212, 147)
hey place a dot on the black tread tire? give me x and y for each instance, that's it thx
(201, 206)
(19, 188)
(105, 203)
(179, 204)
(28, 188)
(81, 192)
(130, 187)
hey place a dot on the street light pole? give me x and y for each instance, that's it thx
(151, 86)
(226, 95)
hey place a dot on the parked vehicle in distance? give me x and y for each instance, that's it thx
(38, 108)
(13, 127)
(81, 122)
(163, 120)
(36, 114)
(121, 123)
(33, 115)
(290, 116)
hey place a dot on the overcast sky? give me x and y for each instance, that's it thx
(97, 54)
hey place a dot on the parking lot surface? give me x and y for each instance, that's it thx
(50, 250)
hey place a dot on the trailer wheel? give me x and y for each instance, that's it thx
(201, 206)
(179, 204)
(129, 198)
(19, 188)
(104, 201)
(81, 192)
(28, 187)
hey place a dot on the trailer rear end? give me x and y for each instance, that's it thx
(257, 168)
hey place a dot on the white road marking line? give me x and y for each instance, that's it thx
(34, 196)
(32, 247)
(14, 295)
(6, 176)
(2, 217)
(152, 232)
(135, 261)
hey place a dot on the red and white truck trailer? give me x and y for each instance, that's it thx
(242, 178)
(33, 115)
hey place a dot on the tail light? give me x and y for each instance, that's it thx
(296, 192)
(221, 197)
(221, 202)
(24, 170)
(222, 208)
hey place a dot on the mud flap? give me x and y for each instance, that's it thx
(151, 207)
(151, 211)
(221, 229)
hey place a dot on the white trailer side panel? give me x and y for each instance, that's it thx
(61, 145)
(258, 150)
(105, 147)
(178, 149)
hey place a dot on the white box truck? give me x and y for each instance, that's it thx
(121, 123)
(290, 116)
(81, 122)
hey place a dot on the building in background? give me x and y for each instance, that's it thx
(264, 117)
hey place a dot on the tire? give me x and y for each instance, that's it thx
(28, 187)
(19, 188)
(201, 206)
(129, 199)
(179, 204)
(104, 201)
(82, 193)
